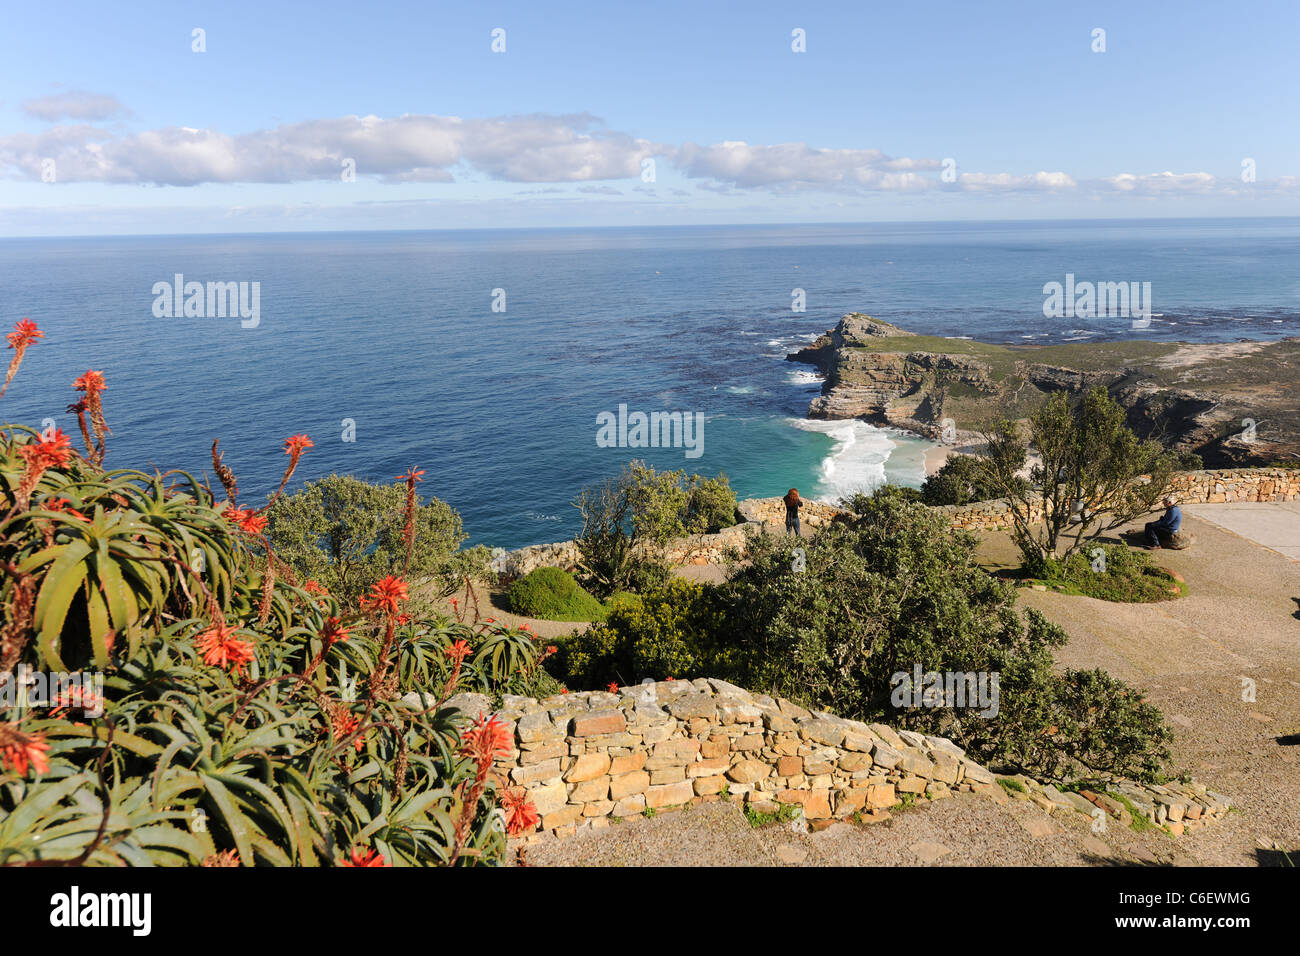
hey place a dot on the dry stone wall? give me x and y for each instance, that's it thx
(587, 758)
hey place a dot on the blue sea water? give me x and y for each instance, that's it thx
(396, 332)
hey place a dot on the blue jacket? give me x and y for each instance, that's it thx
(1172, 520)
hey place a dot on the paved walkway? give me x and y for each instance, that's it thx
(1275, 525)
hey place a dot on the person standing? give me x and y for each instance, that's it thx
(792, 505)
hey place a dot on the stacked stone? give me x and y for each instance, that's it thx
(584, 758)
(1178, 807)
(1238, 484)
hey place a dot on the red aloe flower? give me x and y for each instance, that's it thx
(62, 506)
(19, 750)
(252, 523)
(51, 450)
(486, 740)
(521, 815)
(367, 858)
(384, 596)
(294, 446)
(92, 383)
(333, 631)
(24, 334)
(312, 587)
(76, 698)
(458, 651)
(612, 687)
(408, 524)
(220, 648)
(344, 725)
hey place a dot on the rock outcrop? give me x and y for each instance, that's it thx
(1234, 405)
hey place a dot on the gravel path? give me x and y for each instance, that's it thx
(964, 830)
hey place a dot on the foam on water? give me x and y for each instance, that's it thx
(857, 458)
(804, 377)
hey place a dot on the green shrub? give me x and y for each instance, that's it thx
(1112, 572)
(345, 533)
(961, 480)
(627, 521)
(673, 632)
(896, 588)
(553, 595)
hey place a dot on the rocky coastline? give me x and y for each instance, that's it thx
(1233, 404)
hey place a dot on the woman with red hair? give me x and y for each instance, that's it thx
(792, 506)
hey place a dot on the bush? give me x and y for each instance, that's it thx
(872, 600)
(672, 632)
(1113, 572)
(626, 522)
(553, 595)
(961, 480)
(345, 533)
(669, 504)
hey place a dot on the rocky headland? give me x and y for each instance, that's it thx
(1234, 404)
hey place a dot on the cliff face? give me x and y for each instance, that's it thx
(1193, 398)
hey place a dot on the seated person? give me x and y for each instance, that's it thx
(1167, 525)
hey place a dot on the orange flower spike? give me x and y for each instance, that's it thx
(295, 445)
(384, 596)
(486, 740)
(92, 383)
(521, 815)
(24, 334)
(220, 648)
(252, 523)
(367, 858)
(334, 632)
(612, 687)
(52, 450)
(458, 652)
(18, 751)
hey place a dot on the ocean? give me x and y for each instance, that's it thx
(386, 350)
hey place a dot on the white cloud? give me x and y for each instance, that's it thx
(75, 105)
(1008, 182)
(798, 164)
(411, 148)
(1166, 182)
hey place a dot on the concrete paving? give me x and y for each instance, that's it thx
(1276, 525)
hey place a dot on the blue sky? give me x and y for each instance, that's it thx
(141, 134)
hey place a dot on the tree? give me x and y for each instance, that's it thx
(346, 533)
(1093, 474)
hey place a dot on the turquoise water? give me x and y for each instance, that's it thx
(396, 332)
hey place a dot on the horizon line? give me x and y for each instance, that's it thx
(657, 226)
